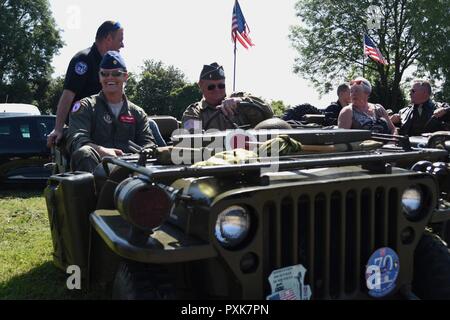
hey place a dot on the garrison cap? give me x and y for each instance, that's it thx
(112, 60)
(212, 72)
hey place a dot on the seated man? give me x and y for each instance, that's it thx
(344, 99)
(423, 114)
(101, 125)
(203, 114)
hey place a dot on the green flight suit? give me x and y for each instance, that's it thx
(91, 121)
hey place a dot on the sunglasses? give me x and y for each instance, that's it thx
(220, 86)
(115, 74)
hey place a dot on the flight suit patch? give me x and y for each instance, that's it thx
(127, 119)
(107, 118)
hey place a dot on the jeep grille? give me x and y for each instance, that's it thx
(332, 234)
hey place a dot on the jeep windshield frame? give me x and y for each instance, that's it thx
(377, 159)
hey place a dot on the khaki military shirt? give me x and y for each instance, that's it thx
(199, 115)
(91, 121)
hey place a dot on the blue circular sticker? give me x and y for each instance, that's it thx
(81, 68)
(382, 272)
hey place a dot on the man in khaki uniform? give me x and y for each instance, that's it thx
(101, 125)
(217, 111)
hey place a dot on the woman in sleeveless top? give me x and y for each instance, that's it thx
(361, 114)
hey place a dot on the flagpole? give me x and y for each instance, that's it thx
(364, 56)
(234, 68)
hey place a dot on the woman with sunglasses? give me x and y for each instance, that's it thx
(361, 114)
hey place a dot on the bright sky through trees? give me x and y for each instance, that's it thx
(188, 34)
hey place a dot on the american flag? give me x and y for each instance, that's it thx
(239, 28)
(371, 50)
(288, 294)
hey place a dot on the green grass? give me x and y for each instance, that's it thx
(26, 267)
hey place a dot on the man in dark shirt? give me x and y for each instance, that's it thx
(82, 78)
(333, 110)
(423, 114)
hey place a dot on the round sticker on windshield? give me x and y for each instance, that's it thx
(382, 272)
(81, 68)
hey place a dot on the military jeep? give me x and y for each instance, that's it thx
(318, 224)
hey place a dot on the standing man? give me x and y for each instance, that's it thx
(102, 125)
(344, 99)
(82, 74)
(423, 114)
(217, 111)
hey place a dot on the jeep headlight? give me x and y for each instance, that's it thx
(142, 204)
(232, 226)
(412, 202)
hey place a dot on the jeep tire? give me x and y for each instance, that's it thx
(138, 281)
(431, 268)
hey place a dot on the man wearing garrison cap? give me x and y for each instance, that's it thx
(101, 125)
(217, 111)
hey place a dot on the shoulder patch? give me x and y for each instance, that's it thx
(76, 106)
(81, 68)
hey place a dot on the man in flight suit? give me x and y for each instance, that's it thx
(217, 111)
(101, 125)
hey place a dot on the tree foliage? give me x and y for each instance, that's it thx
(182, 98)
(329, 41)
(278, 107)
(50, 98)
(162, 90)
(431, 30)
(28, 41)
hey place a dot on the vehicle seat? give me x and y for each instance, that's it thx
(167, 125)
(156, 133)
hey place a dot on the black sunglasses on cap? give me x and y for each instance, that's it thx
(211, 87)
